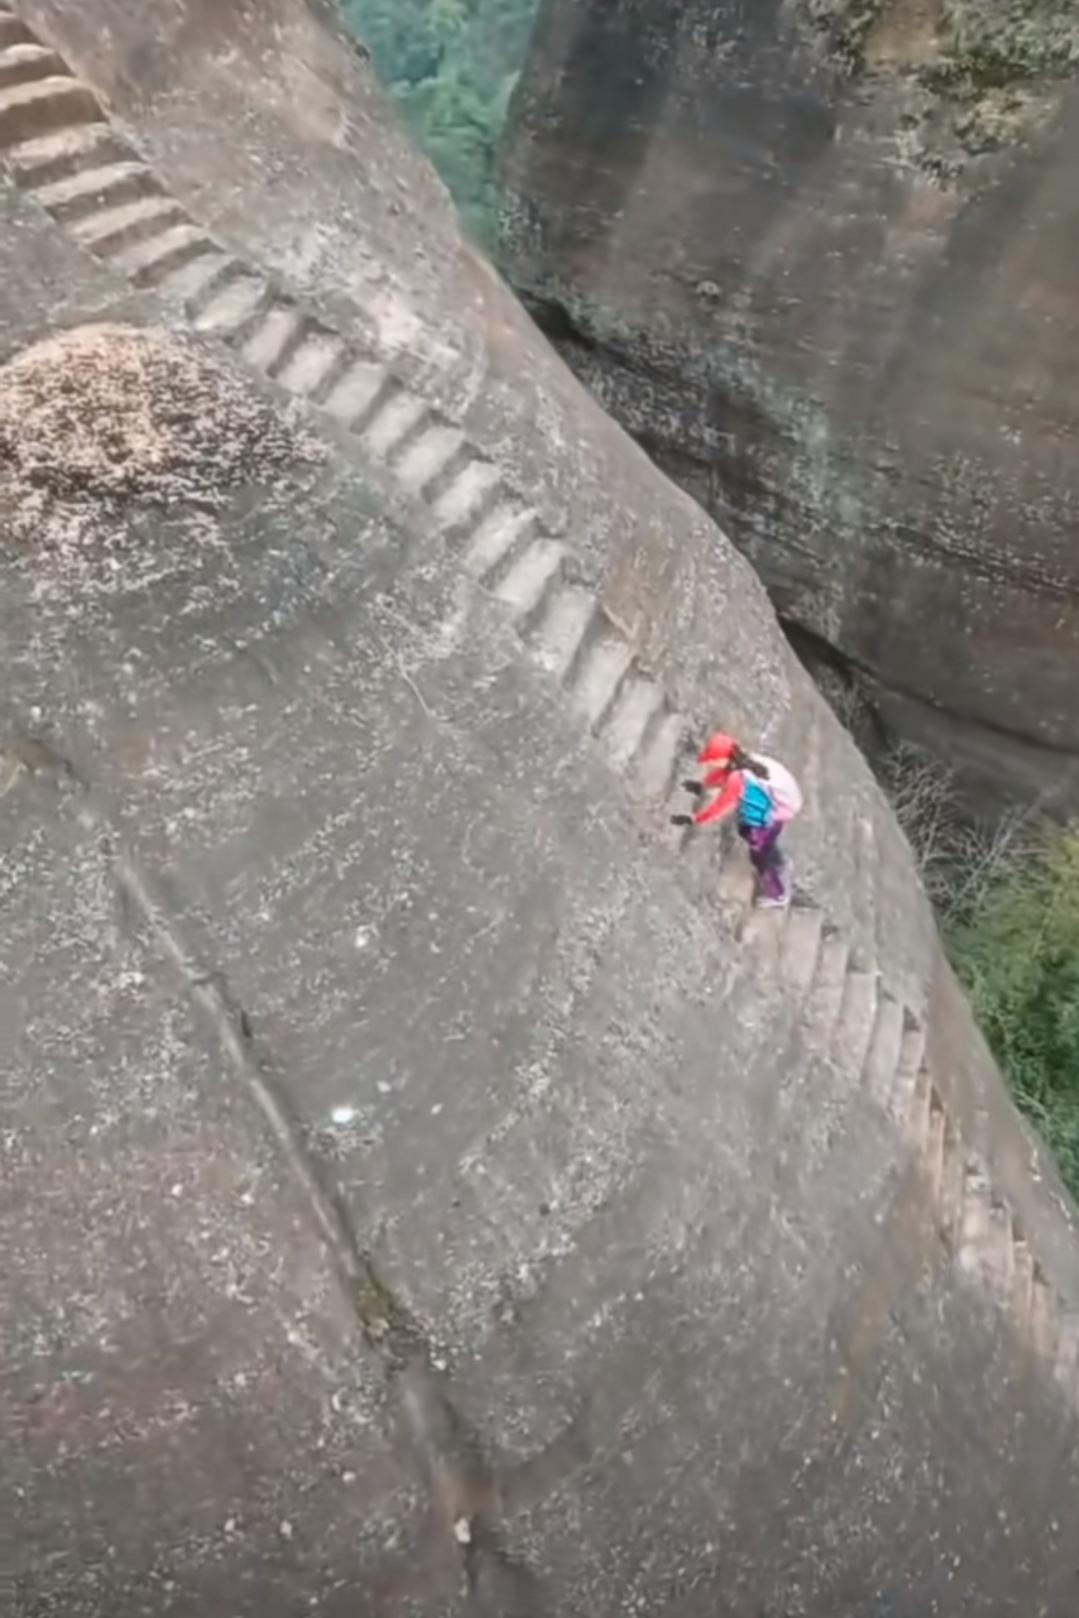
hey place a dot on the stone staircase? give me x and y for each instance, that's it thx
(60, 149)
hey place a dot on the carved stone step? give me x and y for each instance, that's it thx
(417, 430)
(522, 587)
(29, 110)
(278, 329)
(933, 1157)
(155, 262)
(233, 304)
(297, 332)
(736, 886)
(1065, 1351)
(626, 722)
(986, 1248)
(93, 190)
(47, 158)
(499, 537)
(656, 765)
(24, 61)
(1044, 1322)
(885, 1048)
(561, 625)
(305, 370)
(854, 1026)
(13, 31)
(763, 931)
(975, 1225)
(1003, 1252)
(821, 1012)
(900, 1099)
(192, 281)
(354, 395)
(1022, 1283)
(801, 948)
(918, 1119)
(603, 660)
(114, 229)
(950, 1199)
(428, 456)
(392, 421)
(468, 494)
(340, 364)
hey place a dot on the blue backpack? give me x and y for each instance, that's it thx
(755, 807)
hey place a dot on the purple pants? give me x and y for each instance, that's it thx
(763, 845)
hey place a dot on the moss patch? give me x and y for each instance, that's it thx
(990, 43)
(983, 77)
(996, 43)
(843, 27)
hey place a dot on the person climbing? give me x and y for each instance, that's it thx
(765, 796)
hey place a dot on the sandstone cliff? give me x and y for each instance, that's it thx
(427, 1187)
(818, 257)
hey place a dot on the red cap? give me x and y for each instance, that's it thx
(718, 749)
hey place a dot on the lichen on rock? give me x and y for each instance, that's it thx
(994, 42)
(115, 412)
(843, 27)
(973, 76)
(1002, 42)
(106, 422)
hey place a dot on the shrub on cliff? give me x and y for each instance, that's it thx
(1007, 899)
(960, 860)
(450, 66)
(1017, 951)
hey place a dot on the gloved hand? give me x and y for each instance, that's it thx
(681, 820)
(693, 786)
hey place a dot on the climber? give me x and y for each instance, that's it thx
(765, 795)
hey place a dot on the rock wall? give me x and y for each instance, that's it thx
(429, 1188)
(817, 256)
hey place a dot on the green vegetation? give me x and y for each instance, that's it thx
(451, 66)
(1000, 42)
(1008, 904)
(1017, 951)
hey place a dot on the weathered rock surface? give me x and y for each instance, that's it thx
(427, 1188)
(819, 258)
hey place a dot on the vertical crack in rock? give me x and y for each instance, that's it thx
(450, 1456)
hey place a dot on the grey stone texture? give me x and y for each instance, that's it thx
(429, 1188)
(817, 257)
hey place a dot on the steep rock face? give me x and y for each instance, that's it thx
(427, 1187)
(819, 258)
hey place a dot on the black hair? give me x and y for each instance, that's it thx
(744, 761)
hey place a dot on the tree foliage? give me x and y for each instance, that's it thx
(451, 66)
(1007, 899)
(1018, 954)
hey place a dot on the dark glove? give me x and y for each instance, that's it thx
(694, 787)
(681, 820)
